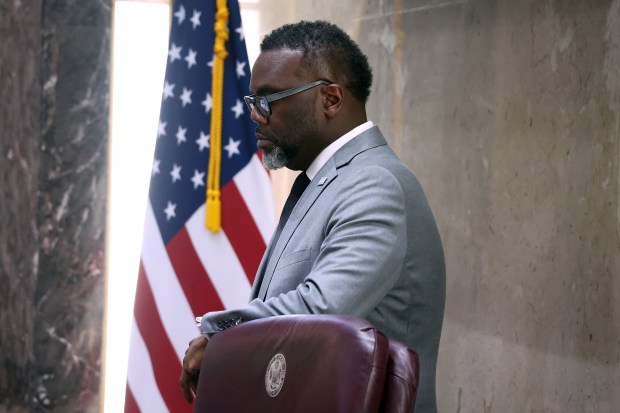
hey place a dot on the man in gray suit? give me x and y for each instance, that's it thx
(361, 239)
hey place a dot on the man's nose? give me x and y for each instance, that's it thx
(257, 117)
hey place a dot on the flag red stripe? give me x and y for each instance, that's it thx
(166, 365)
(130, 402)
(241, 230)
(197, 286)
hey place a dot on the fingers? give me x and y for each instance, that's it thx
(193, 384)
(191, 367)
(188, 386)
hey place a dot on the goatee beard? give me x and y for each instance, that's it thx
(275, 159)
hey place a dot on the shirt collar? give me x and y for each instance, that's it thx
(331, 149)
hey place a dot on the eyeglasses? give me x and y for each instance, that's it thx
(261, 103)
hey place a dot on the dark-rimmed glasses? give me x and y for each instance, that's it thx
(261, 103)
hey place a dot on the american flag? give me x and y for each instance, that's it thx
(185, 269)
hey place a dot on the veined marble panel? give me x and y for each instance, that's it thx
(54, 63)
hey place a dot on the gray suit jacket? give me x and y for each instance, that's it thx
(361, 241)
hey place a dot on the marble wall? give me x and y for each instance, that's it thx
(54, 87)
(509, 113)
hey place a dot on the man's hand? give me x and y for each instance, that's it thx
(191, 367)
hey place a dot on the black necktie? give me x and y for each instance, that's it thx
(300, 184)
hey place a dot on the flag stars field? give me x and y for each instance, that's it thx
(181, 135)
(195, 19)
(161, 129)
(175, 173)
(155, 168)
(191, 58)
(168, 90)
(233, 147)
(170, 210)
(207, 103)
(238, 109)
(241, 34)
(211, 62)
(186, 97)
(174, 53)
(198, 178)
(203, 141)
(180, 14)
(240, 69)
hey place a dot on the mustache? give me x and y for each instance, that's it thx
(262, 132)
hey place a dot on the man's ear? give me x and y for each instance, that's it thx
(333, 97)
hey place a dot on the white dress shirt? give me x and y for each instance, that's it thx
(328, 152)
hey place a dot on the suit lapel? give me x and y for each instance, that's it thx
(325, 176)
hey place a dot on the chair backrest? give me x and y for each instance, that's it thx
(401, 380)
(306, 363)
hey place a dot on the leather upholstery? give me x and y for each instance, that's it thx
(401, 380)
(332, 364)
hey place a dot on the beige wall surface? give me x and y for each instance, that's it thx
(509, 114)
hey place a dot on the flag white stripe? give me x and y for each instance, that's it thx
(254, 184)
(140, 375)
(174, 310)
(220, 260)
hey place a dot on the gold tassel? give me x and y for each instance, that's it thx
(214, 207)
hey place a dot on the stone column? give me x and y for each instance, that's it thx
(54, 88)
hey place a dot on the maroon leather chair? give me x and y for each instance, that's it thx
(401, 380)
(306, 363)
